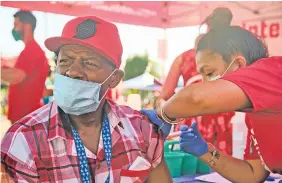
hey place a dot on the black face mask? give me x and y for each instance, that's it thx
(16, 35)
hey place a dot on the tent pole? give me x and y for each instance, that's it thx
(164, 47)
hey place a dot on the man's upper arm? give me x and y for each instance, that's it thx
(13, 75)
(160, 174)
(154, 140)
(17, 159)
(27, 62)
(24, 67)
(155, 153)
(16, 171)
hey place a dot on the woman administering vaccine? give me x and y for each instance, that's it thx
(215, 128)
(238, 75)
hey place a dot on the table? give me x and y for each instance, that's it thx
(188, 178)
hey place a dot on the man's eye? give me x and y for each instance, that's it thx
(209, 74)
(64, 61)
(91, 64)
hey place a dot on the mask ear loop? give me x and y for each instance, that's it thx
(219, 76)
(104, 82)
(228, 67)
(108, 77)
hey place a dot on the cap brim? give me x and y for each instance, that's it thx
(55, 43)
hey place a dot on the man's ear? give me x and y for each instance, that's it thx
(27, 28)
(116, 78)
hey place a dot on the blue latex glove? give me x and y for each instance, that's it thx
(152, 115)
(191, 140)
(270, 179)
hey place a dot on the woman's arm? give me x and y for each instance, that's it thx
(206, 98)
(257, 86)
(172, 78)
(236, 170)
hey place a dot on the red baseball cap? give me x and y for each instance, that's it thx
(91, 32)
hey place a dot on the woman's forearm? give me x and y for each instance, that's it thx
(236, 170)
(184, 104)
(206, 98)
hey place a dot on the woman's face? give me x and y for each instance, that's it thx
(210, 65)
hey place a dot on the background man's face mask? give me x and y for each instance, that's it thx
(220, 76)
(77, 97)
(16, 35)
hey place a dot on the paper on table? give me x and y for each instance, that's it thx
(277, 176)
(213, 177)
(216, 178)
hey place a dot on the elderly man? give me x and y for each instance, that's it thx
(81, 136)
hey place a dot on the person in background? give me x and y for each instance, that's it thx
(157, 101)
(147, 104)
(27, 78)
(82, 136)
(215, 128)
(184, 65)
(49, 89)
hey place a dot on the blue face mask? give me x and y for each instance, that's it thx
(77, 97)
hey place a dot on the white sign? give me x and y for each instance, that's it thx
(270, 31)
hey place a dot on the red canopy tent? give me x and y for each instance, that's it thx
(154, 13)
(169, 14)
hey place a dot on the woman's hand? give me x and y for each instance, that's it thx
(153, 116)
(191, 140)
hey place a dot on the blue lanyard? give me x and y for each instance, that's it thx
(82, 159)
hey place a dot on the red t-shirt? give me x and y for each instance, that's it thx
(262, 83)
(188, 67)
(24, 97)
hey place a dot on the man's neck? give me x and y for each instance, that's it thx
(27, 38)
(92, 120)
